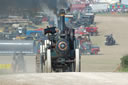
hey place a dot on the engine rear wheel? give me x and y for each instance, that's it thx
(49, 66)
(43, 69)
(77, 61)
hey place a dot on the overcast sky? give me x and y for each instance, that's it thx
(125, 1)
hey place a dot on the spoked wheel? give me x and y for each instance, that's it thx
(43, 59)
(43, 63)
(77, 61)
(49, 68)
(47, 63)
(40, 59)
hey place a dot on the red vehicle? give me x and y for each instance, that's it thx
(95, 50)
(88, 47)
(81, 33)
(44, 19)
(92, 30)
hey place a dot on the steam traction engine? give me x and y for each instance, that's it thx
(59, 53)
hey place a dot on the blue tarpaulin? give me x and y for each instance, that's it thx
(66, 20)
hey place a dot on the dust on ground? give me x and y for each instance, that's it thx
(65, 79)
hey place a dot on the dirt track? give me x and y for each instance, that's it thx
(109, 57)
(65, 79)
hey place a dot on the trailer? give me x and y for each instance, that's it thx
(18, 49)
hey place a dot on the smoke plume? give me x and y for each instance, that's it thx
(14, 7)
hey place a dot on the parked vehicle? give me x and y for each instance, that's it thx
(93, 31)
(87, 47)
